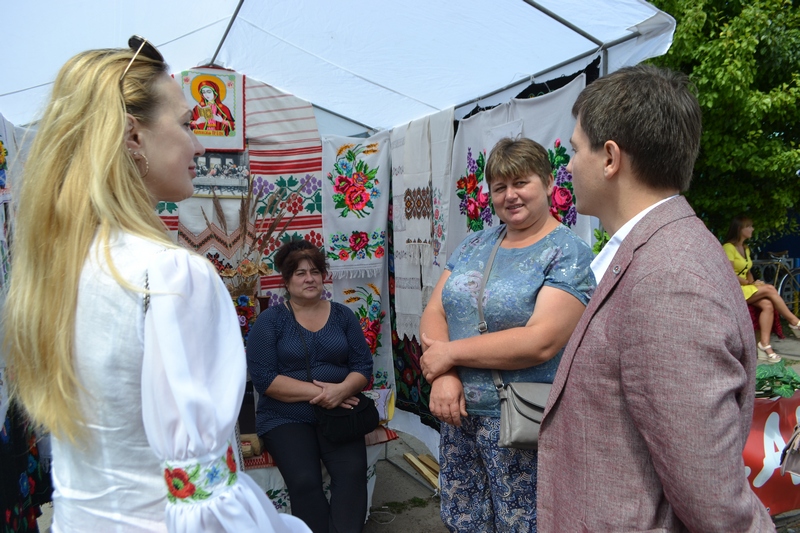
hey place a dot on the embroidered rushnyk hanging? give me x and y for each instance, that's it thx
(355, 204)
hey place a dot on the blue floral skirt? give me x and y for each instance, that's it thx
(484, 487)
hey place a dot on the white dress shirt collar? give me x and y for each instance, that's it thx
(603, 260)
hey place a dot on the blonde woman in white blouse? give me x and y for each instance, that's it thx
(140, 388)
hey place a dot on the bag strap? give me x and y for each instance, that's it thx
(482, 326)
(302, 338)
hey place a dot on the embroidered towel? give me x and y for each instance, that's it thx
(369, 300)
(470, 207)
(355, 204)
(546, 119)
(441, 133)
(284, 150)
(407, 283)
(416, 190)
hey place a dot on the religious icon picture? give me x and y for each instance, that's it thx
(216, 97)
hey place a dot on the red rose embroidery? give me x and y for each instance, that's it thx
(562, 198)
(473, 208)
(472, 183)
(245, 311)
(375, 325)
(356, 198)
(483, 199)
(379, 252)
(342, 184)
(343, 255)
(359, 240)
(372, 340)
(229, 459)
(178, 483)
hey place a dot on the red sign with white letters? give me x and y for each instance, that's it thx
(773, 424)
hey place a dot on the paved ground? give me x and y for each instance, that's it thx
(403, 502)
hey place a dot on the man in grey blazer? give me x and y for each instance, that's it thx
(652, 403)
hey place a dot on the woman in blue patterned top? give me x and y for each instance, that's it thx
(538, 287)
(341, 365)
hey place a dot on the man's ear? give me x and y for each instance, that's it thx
(613, 159)
(133, 131)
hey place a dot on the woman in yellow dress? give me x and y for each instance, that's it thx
(760, 295)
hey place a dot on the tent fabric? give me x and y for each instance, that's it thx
(379, 65)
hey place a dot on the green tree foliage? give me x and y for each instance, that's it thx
(744, 59)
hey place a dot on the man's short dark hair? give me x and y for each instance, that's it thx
(653, 116)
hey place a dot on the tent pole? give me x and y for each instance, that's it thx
(565, 22)
(603, 48)
(228, 29)
(348, 119)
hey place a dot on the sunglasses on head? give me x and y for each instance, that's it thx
(140, 45)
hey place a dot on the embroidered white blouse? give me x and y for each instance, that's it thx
(162, 391)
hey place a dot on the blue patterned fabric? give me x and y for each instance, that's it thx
(561, 260)
(274, 348)
(488, 488)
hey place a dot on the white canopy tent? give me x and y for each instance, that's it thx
(365, 66)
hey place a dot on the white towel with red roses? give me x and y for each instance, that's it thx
(355, 204)
(546, 119)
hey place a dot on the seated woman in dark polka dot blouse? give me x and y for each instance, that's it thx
(341, 365)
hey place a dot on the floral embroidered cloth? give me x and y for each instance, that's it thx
(284, 150)
(441, 128)
(355, 204)
(407, 281)
(546, 119)
(416, 191)
(192, 481)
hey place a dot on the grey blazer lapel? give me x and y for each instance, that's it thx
(656, 219)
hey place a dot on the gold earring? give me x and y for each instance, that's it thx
(135, 155)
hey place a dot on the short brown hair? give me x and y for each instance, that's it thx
(290, 254)
(652, 114)
(516, 159)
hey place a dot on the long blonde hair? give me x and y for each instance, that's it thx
(79, 180)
